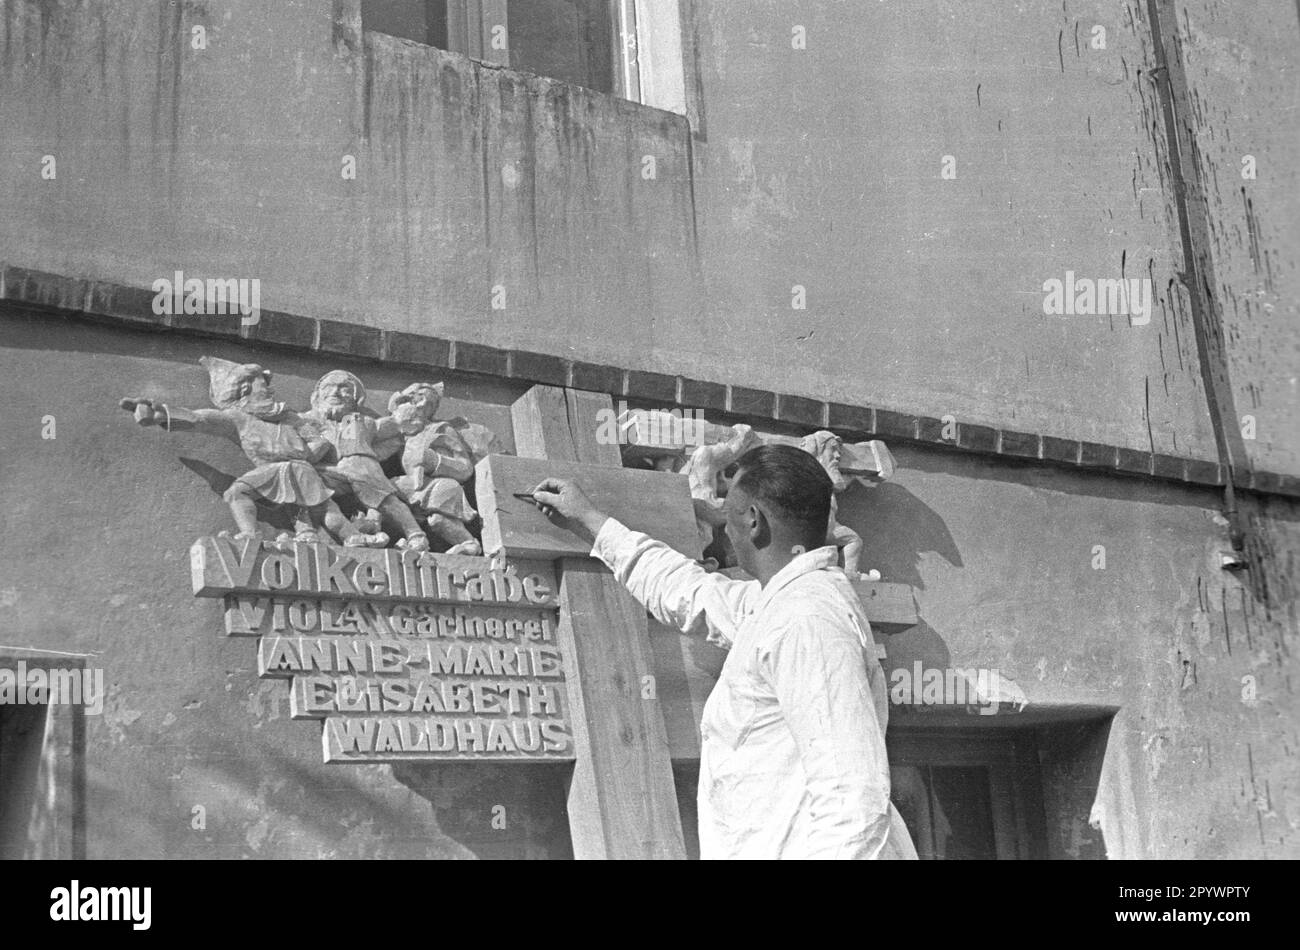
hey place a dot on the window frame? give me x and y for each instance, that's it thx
(60, 769)
(1015, 785)
(650, 47)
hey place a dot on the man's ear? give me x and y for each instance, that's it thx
(759, 528)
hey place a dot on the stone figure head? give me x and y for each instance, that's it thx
(337, 394)
(245, 386)
(825, 447)
(417, 403)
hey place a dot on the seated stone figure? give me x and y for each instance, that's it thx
(438, 461)
(705, 475)
(283, 446)
(352, 468)
(826, 447)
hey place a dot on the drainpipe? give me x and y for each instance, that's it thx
(1198, 273)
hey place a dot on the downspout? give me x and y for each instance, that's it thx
(1198, 274)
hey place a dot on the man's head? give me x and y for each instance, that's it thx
(337, 393)
(826, 448)
(780, 500)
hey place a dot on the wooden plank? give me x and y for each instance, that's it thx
(888, 606)
(563, 425)
(622, 779)
(686, 667)
(622, 800)
(658, 503)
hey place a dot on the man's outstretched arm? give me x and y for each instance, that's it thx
(676, 590)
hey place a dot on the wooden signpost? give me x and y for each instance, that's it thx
(622, 801)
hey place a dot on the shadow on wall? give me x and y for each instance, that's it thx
(896, 529)
(237, 794)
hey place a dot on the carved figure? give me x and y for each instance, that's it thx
(705, 472)
(353, 466)
(438, 461)
(282, 445)
(826, 446)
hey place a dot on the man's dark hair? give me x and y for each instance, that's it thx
(792, 482)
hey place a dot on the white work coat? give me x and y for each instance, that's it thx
(792, 758)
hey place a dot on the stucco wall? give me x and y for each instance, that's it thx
(1244, 87)
(818, 167)
(1004, 562)
(99, 521)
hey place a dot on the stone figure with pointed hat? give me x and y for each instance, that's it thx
(283, 446)
(439, 458)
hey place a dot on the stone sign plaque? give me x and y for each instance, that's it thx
(404, 656)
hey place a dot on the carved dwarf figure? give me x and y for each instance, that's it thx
(705, 472)
(282, 446)
(438, 461)
(825, 446)
(353, 468)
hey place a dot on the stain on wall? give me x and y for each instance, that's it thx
(1198, 762)
(1200, 759)
(821, 168)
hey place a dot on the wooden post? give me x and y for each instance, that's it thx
(622, 801)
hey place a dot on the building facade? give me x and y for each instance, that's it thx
(1049, 256)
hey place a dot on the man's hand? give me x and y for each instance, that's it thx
(144, 411)
(559, 496)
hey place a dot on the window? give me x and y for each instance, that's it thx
(42, 760)
(572, 40)
(424, 21)
(627, 48)
(948, 809)
(22, 736)
(969, 795)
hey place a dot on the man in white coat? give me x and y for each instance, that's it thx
(792, 760)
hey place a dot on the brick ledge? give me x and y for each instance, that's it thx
(105, 301)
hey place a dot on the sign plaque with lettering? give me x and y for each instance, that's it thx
(404, 656)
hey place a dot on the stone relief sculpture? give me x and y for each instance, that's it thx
(826, 447)
(708, 450)
(306, 463)
(354, 470)
(704, 471)
(283, 446)
(438, 460)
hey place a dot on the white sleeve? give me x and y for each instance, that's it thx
(673, 588)
(822, 687)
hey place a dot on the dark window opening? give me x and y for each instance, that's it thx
(22, 738)
(948, 809)
(570, 40)
(423, 21)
